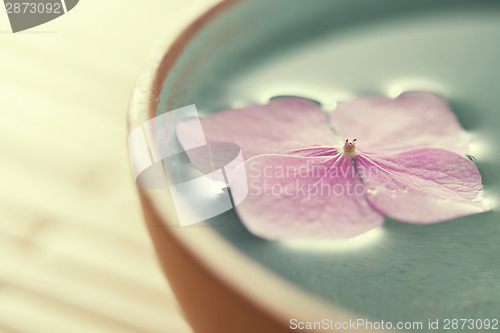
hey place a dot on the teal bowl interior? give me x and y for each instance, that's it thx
(337, 50)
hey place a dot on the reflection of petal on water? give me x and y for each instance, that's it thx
(481, 146)
(326, 96)
(397, 88)
(368, 238)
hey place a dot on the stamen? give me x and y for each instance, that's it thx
(350, 148)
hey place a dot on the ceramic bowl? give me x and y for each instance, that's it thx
(245, 52)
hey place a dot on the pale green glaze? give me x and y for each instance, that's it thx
(342, 48)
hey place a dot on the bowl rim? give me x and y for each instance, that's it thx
(266, 289)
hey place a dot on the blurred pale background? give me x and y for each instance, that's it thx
(74, 253)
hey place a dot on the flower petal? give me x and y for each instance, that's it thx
(410, 121)
(282, 125)
(299, 198)
(422, 186)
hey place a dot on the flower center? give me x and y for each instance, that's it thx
(350, 148)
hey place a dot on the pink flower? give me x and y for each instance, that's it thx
(403, 158)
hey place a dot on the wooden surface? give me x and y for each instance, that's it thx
(74, 253)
